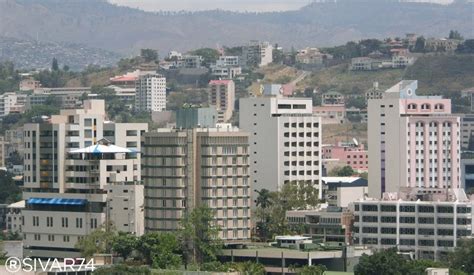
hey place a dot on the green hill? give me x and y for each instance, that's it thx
(443, 74)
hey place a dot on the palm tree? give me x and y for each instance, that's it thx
(263, 200)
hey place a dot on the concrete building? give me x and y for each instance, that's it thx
(416, 137)
(285, 141)
(467, 172)
(72, 174)
(364, 64)
(226, 72)
(65, 97)
(342, 191)
(374, 92)
(331, 114)
(352, 154)
(467, 132)
(150, 92)
(327, 224)
(430, 228)
(192, 117)
(257, 54)
(442, 44)
(222, 96)
(29, 84)
(12, 103)
(227, 61)
(14, 218)
(185, 169)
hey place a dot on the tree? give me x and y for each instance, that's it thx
(149, 55)
(98, 241)
(387, 260)
(124, 244)
(419, 45)
(463, 256)
(200, 235)
(122, 269)
(54, 65)
(209, 55)
(466, 47)
(345, 171)
(310, 270)
(453, 34)
(249, 268)
(166, 253)
(9, 192)
(147, 244)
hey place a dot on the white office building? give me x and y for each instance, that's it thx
(150, 93)
(75, 179)
(285, 141)
(428, 228)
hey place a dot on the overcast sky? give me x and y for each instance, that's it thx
(234, 5)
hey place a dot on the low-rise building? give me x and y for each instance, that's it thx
(29, 84)
(342, 191)
(324, 225)
(15, 217)
(421, 221)
(351, 153)
(441, 44)
(257, 53)
(330, 114)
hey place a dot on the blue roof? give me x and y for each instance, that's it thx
(56, 201)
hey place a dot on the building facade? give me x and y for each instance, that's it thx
(185, 169)
(222, 96)
(70, 164)
(430, 229)
(257, 53)
(352, 154)
(417, 137)
(150, 92)
(285, 141)
(196, 117)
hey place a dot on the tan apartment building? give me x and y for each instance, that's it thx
(185, 169)
(222, 95)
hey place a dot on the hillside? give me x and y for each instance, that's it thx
(443, 73)
(28, 54)
(99, 24)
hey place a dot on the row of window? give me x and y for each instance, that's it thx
(412, 208)
(64, 222)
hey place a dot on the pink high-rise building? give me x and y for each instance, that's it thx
(414, 142)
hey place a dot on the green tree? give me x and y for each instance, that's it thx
(124, 244)
(453, 34)
(419, 45)
(466, 47)
(249, 268)
(200, 235)
(310, 270)
(123, 269)
(147, 244)
(345, 171)
(209, 55)
(387, 260)
(54, 65)
(166, 255)
(98, 241)
(149, 55)
(463, 256)
(9, 192)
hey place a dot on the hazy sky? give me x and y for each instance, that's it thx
(235, 5)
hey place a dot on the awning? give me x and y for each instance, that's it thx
(56, 201)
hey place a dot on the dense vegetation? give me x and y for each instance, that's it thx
(460, 262)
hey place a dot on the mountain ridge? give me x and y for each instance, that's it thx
(100, 24)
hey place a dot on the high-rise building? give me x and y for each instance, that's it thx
(413, 141)
(150, 92)
(285, 141)
(202, 166)
(74, 175)
(222, 95)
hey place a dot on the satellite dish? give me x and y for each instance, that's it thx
(355, 141)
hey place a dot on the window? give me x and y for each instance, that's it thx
(426, 231)
(407, 231)
(412, 106)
